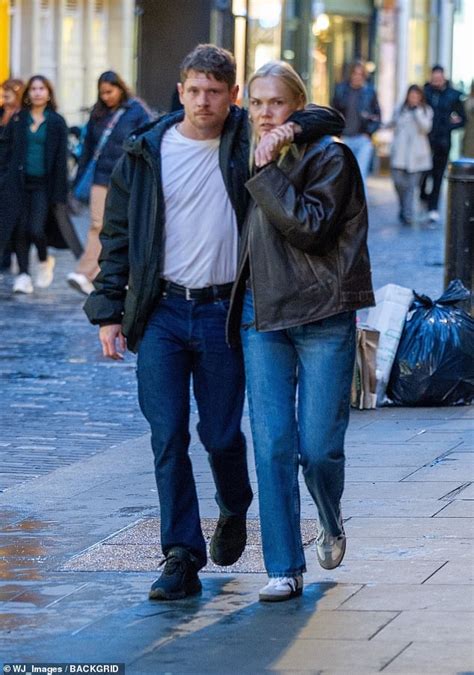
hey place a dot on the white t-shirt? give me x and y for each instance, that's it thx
(201, 236)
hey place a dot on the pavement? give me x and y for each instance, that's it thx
(79, 520)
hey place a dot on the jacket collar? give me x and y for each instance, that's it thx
(150, 136)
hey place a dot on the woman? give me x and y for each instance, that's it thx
(116, 113)
(11, 92)
(411, 152)
(33, 167)
(303, 271)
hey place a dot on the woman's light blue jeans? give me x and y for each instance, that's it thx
(298, 385)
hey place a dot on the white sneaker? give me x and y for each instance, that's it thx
(330, 550)
(433, 216)
(23, 284)
(80, 283)
(281, 588)
(44, 277)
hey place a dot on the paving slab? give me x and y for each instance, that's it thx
(381, 571)
(404, 548)
(399, 597)
(443, 657)
(432, 528)
(451, 467)
(427, 625)
(409, 491)
(461, 508)
(454, 573)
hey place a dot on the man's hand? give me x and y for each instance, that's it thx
(108, 335)
(272, 142)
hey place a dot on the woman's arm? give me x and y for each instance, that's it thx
(312, 219)
(424, 118)
(87, 150)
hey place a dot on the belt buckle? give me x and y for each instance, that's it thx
(187, 294)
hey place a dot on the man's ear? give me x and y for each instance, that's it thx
(180, 89)
(234, 92)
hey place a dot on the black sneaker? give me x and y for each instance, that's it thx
(179, 577)
(229, 539)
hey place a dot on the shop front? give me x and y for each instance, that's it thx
(320, 39)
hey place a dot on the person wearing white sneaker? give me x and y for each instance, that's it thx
(44, 275)
(114, 116)
(80, 283)
(279, 589)
(433, 216)
(330, 550)
(33, 163)
(304, 269)
(23, 284)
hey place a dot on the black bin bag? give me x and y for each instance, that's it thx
(434, 364)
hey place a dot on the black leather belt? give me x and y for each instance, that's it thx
(206, 294)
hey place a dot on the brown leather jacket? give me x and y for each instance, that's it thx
(304, 241)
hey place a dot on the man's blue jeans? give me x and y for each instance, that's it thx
(298, 386)
(185, 339)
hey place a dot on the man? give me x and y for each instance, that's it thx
(449, 114)
(357, 101)
(169, 253)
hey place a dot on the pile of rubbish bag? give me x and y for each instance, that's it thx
(424, 349)
(434, 363)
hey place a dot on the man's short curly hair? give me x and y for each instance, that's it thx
(210, 60)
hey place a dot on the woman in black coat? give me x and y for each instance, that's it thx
(117, 112)
(33, 179)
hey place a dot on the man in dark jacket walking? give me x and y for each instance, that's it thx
(449, 114)
(169, 254)
(357, 101)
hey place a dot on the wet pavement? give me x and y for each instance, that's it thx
(79, 518)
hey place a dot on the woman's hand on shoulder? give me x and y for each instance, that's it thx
(271, 143)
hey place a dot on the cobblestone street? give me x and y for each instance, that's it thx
(61, 400)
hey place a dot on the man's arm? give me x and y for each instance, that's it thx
(105, 305)
(457, 119)
(373, 116)
(316, 121)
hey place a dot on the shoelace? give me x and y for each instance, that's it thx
(171, 564)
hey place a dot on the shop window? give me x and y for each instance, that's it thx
(419, 37)
(338, 41)
(264, 32)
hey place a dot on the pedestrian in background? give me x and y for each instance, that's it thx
(33, 170)
(468, 139)
(448, 115)
(116, 114)
(303, 271)
(357, 100)
(11, 92)
(410, 152)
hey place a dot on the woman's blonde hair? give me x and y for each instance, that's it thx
(284, 72)
(293, 81)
